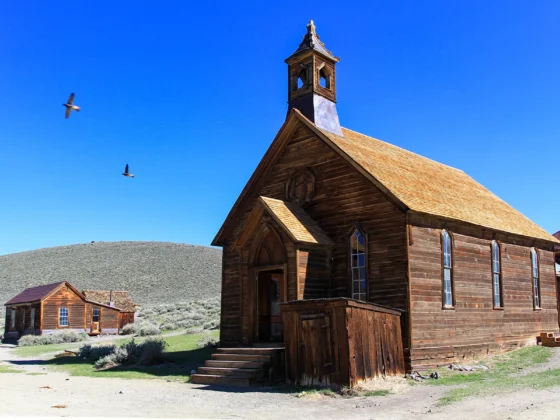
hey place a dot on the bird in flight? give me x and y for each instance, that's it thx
(126, 173)
(70, 105)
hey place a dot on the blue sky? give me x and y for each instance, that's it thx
(191, 95)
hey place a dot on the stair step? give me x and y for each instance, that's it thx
(235, 372)
(219, 380)
(241, 357)
(234, 364)
(249, 350)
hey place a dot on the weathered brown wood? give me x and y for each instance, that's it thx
(340, 342)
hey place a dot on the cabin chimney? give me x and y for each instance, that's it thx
(312, 82)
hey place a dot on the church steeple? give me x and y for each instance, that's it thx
(312, 82)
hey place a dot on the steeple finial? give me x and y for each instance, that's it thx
(312, 41)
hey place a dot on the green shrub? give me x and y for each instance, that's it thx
(208, 341)
(147, 329)
(152, 351)
(196, 330)
(95, 352)
(128, 329)
(61, 337)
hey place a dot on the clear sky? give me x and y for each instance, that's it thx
(191, 94)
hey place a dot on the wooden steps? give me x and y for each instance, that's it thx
(550, 339)
(241, 366)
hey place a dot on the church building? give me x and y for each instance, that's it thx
(331, 213)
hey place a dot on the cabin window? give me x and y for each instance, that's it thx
(447, 251)
(13, 319)
(95, 315)
(358, 264)
(497, 276)
(32, 320)
(536, 280)
(63, 317)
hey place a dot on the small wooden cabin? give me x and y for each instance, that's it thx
(119, 299)
(59, 306)
(330, 212)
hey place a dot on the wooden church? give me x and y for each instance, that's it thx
(337, 234)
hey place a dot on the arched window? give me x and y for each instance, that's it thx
(536, 279)
(497, 276)
(358, 264)
(447, 251)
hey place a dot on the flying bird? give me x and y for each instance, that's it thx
(70, 105)
(126, 173)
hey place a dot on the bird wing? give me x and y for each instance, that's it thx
(71, 99)
(68, 111)
(126, 169)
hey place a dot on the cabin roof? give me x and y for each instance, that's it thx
(412, 181)
(296, 221)
(121, 298)
(34, 294)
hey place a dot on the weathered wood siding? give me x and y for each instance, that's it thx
(313, 273)
(338, 341)
(24, 324)
(125, 318)
(474, 327)
(343, 197)
(64, 297)
(109, 320)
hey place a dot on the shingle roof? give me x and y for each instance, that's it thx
(296, 221)
(121, 298)
(426, 186)
(34, 294)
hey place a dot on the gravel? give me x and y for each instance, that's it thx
(153, 272)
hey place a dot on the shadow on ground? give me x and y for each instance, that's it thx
(179, 363)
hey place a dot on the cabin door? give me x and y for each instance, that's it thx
(270, 293)
(95, 320)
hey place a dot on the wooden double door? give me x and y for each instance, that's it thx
(270, 294)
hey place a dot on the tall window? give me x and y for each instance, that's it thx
(446, 245)
(95, 315)
(13, 319)
(63, 317)
(496, 276)
(535, 276)
(358, 265)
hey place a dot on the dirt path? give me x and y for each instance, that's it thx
(22, 395)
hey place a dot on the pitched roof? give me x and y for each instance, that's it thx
(427, 186)
(296, 221)
(311, 41)
(34, 294)
(413, 181)
(121, 298)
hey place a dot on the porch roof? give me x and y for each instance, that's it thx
(295, 221)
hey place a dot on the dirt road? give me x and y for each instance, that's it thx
(25, 395)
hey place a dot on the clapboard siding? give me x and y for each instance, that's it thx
(64, 297)
(474, 328)
(313, 273)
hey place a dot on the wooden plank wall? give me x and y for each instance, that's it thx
(21, 311)
(65, 298)
(343, 197)
(474, 328)
(126, 318)
(332, 342)
(313, 273)
(109, 319)
(230, 318)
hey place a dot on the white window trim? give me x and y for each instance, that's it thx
(60, 317)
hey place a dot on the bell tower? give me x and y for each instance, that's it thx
(312, 82)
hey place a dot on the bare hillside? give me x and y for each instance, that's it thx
(153, 272)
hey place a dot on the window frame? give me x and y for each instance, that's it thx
(60, 316)
(536, 287)
(499, 273)
(444, 306)
(357, 228)
(93, 314)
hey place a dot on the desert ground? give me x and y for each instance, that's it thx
(36, 390)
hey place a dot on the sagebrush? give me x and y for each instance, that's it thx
(146, 353)
(55, 338)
